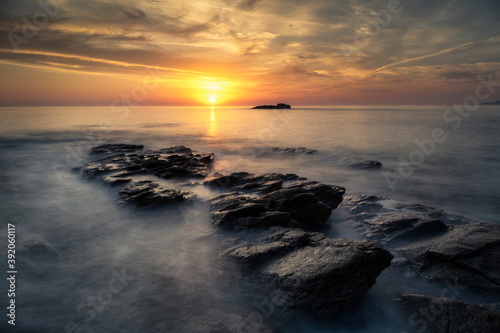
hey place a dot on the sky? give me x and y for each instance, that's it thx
(246, 52)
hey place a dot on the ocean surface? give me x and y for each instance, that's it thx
(166, 261)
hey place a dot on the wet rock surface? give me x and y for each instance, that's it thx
(273, 151)
(177, 162)
(446, 315)
(308, 273)
(244, 181)
(394, 222)
(148, 193)
(272, 235)
(367, 164)
(468, 254)
(297, 205)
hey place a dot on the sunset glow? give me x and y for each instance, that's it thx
(249, 52)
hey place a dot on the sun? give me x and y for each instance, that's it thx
(212, 99)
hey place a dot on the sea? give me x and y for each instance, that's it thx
(120, 269)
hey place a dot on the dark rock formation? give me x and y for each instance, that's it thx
(244, 181)
(328, 277)
(305, 204)
(306, 272)
(167, 163)
(467, 254)
(284, 151)
(278, 106)
(368, 164)
(115, 148)
(395, 222)
(446, 315)
(148, 193)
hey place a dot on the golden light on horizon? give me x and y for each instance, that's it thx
(212, 99)
(207, 90)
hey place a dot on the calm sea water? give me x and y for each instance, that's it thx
(172, 261)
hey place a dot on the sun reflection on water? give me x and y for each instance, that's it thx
(212, 128)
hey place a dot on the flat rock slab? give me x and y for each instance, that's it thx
(395, 223)
(295, 206)
(150, 194)
(308, 273)
(125, 161)
(446, 315)
(284, 151)
(244, 181)
(468, 254)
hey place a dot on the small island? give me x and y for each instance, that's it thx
(491, 103)
(277, 106)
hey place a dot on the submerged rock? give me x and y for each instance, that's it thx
(446, 315)
(148, 193)
(467, 254)
(368, 164)
(284, 151)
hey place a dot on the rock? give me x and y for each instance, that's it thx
(284, 151)
(115, 148)
(280, 242)
(244, 181)
(466, 254)
(168, 163)
(394, 222)
(246, 212)
(306, 273)
(302, 205)
(291, 206)
(446, 315)
(368, 164)
(330, 195)
(175, 150)
(278, 106)
(325, 278)
(148, 193)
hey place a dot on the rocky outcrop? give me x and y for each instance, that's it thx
(278, 106)
(329, 195)
(467, 254)
(284, 151)
(308, 273)
(445, 315)
(148, 193)
(168, 163)
(305, 205)
(328, 277)
(367, 164)
(249, 182)
(395, 222)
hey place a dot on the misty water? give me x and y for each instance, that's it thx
(155, 269)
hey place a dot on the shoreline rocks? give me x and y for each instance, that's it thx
(447, 315)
